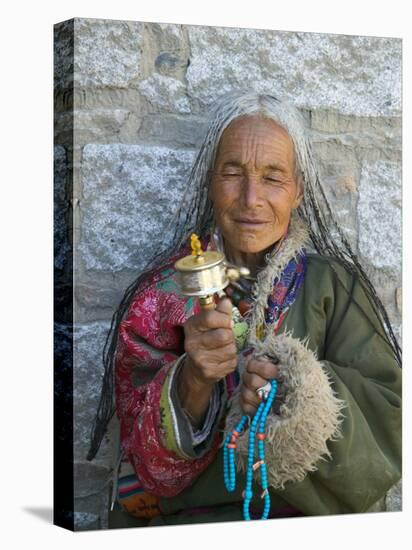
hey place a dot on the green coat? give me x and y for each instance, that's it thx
(342, 330)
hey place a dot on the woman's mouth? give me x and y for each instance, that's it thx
(250, 223)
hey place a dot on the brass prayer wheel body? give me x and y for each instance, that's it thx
(202, 275)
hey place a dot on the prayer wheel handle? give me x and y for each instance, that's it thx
(207, 302)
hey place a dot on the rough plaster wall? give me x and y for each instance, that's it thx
(141, 93)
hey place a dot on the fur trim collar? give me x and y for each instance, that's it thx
(276, 261)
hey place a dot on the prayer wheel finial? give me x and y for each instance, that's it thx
(196, 245)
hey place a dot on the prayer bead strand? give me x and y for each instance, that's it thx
(258, 425)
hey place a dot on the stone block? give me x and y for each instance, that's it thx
(333, 122)
(86, 521)
(373, 145)
(63, 380)
(330, 149)
(165, 94)
(397, 329)
(182, 131)
(103, 121)
(60, 173)
(340, 181)
(166, 63)
(97, 294)
(130, 193)
(387, 294)
(61, 209)
(167, 36)
(355, 75)
(166, 49)
(63, 50)
(107, 52)
(88, 344)
(92, 125)
(95, 301)
(107, 98)
(379, 211)
(394, 498)
(398, 299)
(92, 490)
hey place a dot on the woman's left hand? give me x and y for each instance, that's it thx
(257, 373)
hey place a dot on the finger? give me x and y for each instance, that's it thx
(220, 371)
(263, 368)
(208, 320)
(216, 339)
(246, 362)
(210, 356)
(229, 366)
(250, 397)
(225, 306)
(253, 381)
(247, 408)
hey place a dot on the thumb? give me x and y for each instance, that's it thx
(225, 306)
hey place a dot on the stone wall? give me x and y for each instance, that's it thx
(140, 94)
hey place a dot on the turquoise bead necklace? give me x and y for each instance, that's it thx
(257, 430)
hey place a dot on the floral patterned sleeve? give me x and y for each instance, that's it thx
(150, 343)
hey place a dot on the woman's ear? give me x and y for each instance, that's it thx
(299, 190)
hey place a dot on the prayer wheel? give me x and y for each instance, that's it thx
(204, 274)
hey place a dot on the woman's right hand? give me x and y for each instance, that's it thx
(210, 356)
(210, 344)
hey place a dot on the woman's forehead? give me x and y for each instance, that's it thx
(255, 132)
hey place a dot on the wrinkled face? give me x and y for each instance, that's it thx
(254, 188)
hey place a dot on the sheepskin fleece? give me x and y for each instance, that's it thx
(296, 438)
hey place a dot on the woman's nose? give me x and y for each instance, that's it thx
(251, 192)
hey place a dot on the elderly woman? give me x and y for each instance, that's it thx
(184, 377)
